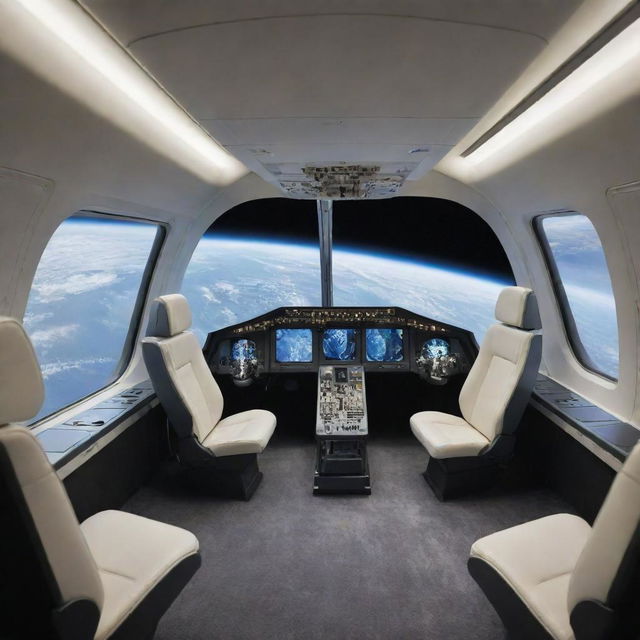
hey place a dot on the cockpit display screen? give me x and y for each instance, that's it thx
(243, 350)
(435, 348)
(339, 344)
(385, 345)
(294, 345)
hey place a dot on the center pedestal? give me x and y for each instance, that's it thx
(341, 432)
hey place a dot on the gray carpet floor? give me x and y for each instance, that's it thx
(290, 565)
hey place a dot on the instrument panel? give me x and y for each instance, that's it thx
(301, 339)
(342, 401)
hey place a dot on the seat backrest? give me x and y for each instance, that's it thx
(608, 570)
(181, 378)
(51, 587)
(498, 387)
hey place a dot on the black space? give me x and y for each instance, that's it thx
(429, 229)
(271, 218)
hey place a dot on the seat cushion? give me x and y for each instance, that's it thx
(536, 560)
(133, 555)
(246, 432)
(446, 436)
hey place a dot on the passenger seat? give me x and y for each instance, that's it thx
(112, 577)
(558, 578)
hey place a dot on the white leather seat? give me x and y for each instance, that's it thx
(192, 398)
(187, 389)
(559, 578)
(497, 388)
(447, 436)
(114, 576)
(133, 554)
(245, 432)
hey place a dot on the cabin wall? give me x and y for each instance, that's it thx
(69, 142)
(576, 160)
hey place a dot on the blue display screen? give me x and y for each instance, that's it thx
(294, 345)
(385, 345)
(243, 350)
(339, 344)
(435, 348)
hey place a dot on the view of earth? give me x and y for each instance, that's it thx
(85, 288)
(581, 264)
(232, 280)
(80, 305)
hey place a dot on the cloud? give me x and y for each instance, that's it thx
(208, 295)
(571, 235)
(50, 291)
(32, 319)
(61, 366)
(227, 287)
(45, 338)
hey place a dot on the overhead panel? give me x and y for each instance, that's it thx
(342, 181)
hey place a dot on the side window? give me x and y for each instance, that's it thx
(83, 303)
(582, 284)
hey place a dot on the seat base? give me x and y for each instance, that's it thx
(234, 477)
(515, 615)
(142, 622)
(455, 477)
(342, 466)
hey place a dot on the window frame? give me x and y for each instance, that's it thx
(128, 346)
(568, 321)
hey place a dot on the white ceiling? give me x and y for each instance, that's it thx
(295, 82)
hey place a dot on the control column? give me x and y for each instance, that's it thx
(341, 432)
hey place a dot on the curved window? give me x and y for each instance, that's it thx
(583, 287)
(433, 257)
(252, 260)
(83, 304)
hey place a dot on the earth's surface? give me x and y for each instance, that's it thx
(85, 289)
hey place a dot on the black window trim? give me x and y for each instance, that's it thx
(135, 322)
(571, 330)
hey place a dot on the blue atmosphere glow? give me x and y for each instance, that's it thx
(230, 280)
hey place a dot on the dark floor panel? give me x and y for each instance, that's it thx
(289, 565)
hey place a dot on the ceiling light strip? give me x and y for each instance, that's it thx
(616, 26)
(77, 29)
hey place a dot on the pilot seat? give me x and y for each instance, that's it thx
(220, 455)
(464, 451)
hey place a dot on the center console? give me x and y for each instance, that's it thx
(341, 431)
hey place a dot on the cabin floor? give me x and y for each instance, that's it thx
(290, 565)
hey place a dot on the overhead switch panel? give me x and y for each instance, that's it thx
(342, 181)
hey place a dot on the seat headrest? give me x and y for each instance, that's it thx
(21, 387)
(170, 315)
(518, 307)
